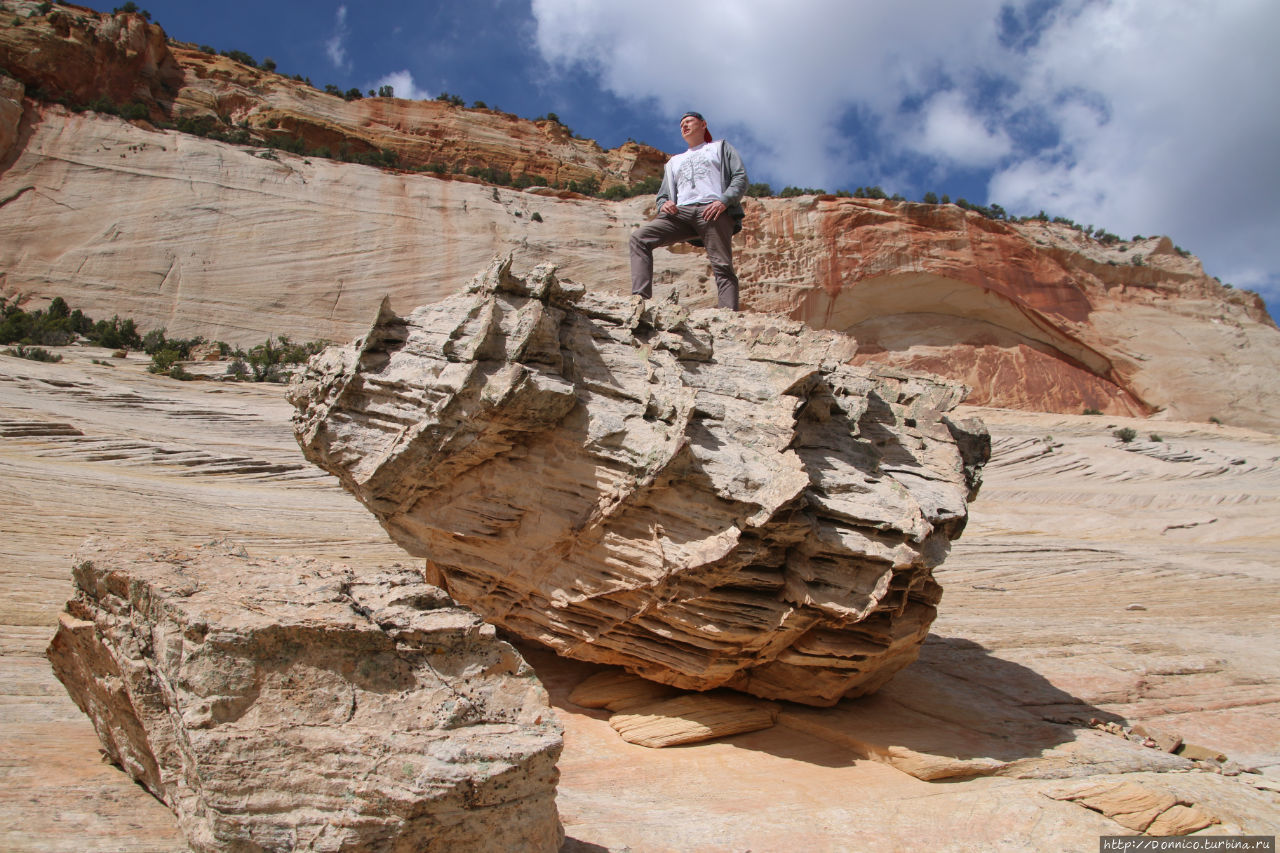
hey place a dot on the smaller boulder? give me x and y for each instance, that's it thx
(291, 704)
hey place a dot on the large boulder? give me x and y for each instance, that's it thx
(708, 499)
(290, 704)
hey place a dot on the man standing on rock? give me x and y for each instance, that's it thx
(700, 201)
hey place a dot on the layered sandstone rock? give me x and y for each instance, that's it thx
(239, 243)
(78, 55)
(420, 133)
(1031, 315)
(708, 499)
(289, 704)
(203, 238)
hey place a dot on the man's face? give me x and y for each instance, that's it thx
(693, 130)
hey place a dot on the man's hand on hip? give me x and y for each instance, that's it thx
(669, 208)
(712, 211)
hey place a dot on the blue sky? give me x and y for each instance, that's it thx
(1139, 116)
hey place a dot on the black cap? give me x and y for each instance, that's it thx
(698, 116)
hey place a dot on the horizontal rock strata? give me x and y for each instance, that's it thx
(707, 499)
(290, 705)
(692, 718)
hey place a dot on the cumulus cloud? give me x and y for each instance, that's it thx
(1167, 124)
(402, 83)
(336, 47)
(952, 131)
(1135, 116)
(790, 77)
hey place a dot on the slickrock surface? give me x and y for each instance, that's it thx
(1070, 529)
(709, 500)
(201, 237)
(238, 242)
(291, 704)
(1142, 808)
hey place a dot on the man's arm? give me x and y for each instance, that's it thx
(735, 174)
(665, 191)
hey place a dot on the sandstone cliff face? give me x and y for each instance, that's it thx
(237, 244)
(74, 51)
(1029, 315)
(290, 705)
(419, 132)
(78, 54)
(710, 500)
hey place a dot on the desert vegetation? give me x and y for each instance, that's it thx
(58, 325)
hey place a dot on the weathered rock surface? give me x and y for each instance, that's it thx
(692, 718)
(1142, 808)
(708, 499)
(80, 55)
(1031, 315)
(77, 53)
(204, 238)
(291, 704)
(1065, 534)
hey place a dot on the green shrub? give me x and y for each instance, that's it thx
(536, 217)
(163, 361)
(1092, 411)
(792, 192)
(33, 353)
(135, 110)
(1155, 437)
(116, 334)
(488, 174)
(760, 190)
(587, 186)
(268, 360)
(1126, 435)
(241, 57)
(1214, 420)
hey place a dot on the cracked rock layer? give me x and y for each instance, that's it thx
(708, 499)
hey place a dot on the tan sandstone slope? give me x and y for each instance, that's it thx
(238, 242)
(1095, 580)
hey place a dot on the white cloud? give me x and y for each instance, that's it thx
(1138, 117)
(402, 83)
(781, 75)
(336, 47)
(951, 131)
(1186, 144)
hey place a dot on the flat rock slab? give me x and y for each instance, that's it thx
(1141, 807)
(692, 718)
(286, 704)
(618, 690)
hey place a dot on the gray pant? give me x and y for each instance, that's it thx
(684, 224)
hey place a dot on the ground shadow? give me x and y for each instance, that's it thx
(958, 701)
